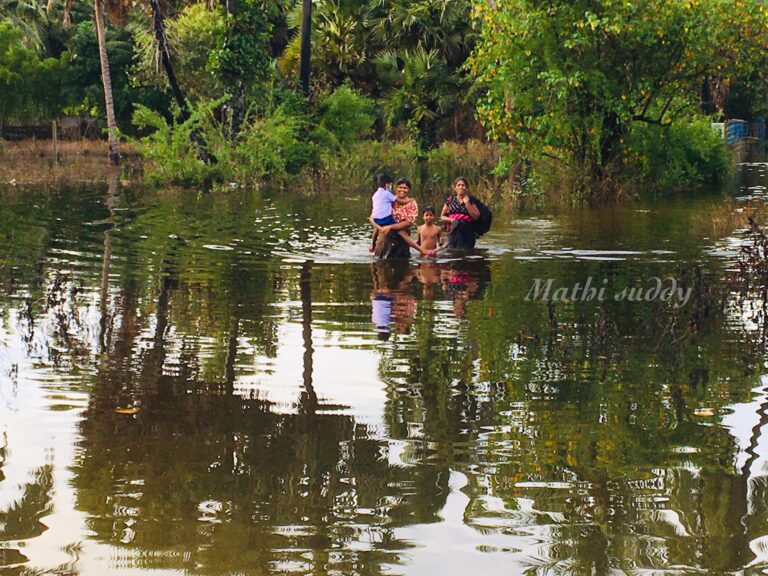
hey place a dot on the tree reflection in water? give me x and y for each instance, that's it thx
(217, 481)
(22, 519)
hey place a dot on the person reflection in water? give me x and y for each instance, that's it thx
(381, 312)
(392, 307)
(428, 275)
(461, 285)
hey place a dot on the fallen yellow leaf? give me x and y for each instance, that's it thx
(126, 410)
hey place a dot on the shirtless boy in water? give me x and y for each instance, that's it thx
(429, 232)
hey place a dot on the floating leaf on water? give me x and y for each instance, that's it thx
(703, 412)
(131, 410)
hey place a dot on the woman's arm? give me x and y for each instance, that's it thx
(404, 225)
(408, 240)
(444, 214)
(474, 211)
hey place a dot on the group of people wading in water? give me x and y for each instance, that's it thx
(463, 217)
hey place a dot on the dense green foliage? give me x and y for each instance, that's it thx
(570, 79)
(18, 64)
(680, 156)
(284, 139)
(594, 85)
(197, 35)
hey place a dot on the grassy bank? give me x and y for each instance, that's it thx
(32, 162)
(684, 158)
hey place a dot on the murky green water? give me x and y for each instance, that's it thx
(229, 385)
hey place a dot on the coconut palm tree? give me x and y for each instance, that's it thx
(109, 106)
(341, 43)
(306, 45)
(116, 9)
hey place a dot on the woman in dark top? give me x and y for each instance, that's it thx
(460, 213)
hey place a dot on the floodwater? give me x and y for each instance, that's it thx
(228, 384)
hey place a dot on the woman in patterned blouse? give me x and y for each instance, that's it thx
(459, 213)
(405, 215)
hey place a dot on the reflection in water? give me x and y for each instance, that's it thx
(21, 520)
(393, 306)
(308, 401)
(197, 387)
(462, 282)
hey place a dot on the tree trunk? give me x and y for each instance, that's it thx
(613, 131)
(165, 58)
(306, 36)
(55, 136)
(237, 103)
(114, 148)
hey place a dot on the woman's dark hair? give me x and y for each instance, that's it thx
(461, 179)
(404, 181)
(381, 180)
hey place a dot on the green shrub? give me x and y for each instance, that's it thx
(288, 140)
(347, 116)
(433, 177)
(348, 171)
(473, 159)
(676, 157)
(271, 146)
(176, 156)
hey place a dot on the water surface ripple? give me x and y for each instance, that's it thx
(228, 384)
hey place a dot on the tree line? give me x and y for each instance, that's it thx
(594, 87)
